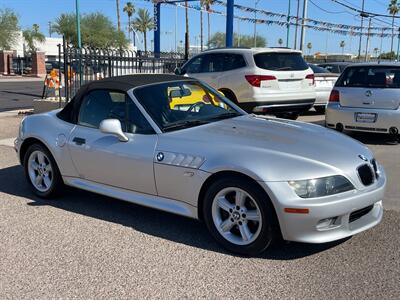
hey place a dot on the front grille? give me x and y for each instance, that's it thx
(355, 215)
(366, 174)
(375, 166)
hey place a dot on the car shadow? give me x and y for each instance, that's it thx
(150, 221)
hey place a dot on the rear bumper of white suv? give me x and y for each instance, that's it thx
(278, 102)
(339, 117)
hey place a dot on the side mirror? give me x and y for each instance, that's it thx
(179, 71)
(113, 126)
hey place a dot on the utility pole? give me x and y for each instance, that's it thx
(362, 23)
(366, 46)
(297, 24)
(288, 26)
(303, 23)
(186, 32)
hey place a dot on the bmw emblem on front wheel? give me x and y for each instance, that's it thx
(160, 156)
(363, 157)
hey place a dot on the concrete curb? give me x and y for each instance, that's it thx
(12, 113)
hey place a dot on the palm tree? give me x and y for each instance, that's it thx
(342, 45)
(309, 46)
(31, 36)
(129, 8)
(207, 5)
(393, 9)
(376, 52)
(280, 42)
(143, 23)
(118, 16)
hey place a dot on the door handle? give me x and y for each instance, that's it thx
(79, 141)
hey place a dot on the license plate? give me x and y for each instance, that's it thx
(324, 83)
(366, 117)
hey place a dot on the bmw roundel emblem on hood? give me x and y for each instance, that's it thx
(362, 157)
(160, 156)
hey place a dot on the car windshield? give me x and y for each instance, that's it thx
(280, 61)
(370, 77)
(182, 104)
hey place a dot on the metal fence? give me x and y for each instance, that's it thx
(80, 66)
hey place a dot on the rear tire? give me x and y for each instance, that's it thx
(320, 109)
(41, 172)
(240, 216)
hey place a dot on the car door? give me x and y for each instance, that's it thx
(234, 71)
(207, 67)
(101, 157)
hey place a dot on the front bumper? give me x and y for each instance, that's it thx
(386, 118)
(305, 227)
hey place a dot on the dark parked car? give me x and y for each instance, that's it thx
(335, 67)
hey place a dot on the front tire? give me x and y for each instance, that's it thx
(240, 216)
(41, 172)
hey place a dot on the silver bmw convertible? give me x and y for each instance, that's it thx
(175, 144)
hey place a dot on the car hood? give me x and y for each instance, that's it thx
(269, 149)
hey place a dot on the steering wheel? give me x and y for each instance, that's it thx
(191, 107)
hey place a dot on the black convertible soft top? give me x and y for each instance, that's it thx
(118, 83)
(126, 82)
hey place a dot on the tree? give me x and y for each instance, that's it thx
(129, 8)
(280, 42)
(393, 9)
(342, 45)
(309, 47)
(143, 23)
(118, 16)
(207, 5)
(376, 50)
(9, 28)
(33, 36)
(218, 40)
(97, 31)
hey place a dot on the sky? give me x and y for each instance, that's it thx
(43, 11)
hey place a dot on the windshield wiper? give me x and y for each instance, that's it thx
(184, 124)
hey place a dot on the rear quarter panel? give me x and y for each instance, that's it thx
(53, 133)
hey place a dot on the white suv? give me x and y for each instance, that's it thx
(261, 80)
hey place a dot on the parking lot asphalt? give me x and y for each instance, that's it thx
(84, 245)
(19, 94)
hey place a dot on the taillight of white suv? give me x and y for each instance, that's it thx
(255, 80)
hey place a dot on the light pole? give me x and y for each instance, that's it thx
(362, 14)
(367, 45)
(288, 26)
(303, 25)
(255, 22)
(398, 44)
(297, 24)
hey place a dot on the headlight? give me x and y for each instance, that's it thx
(320, 187)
